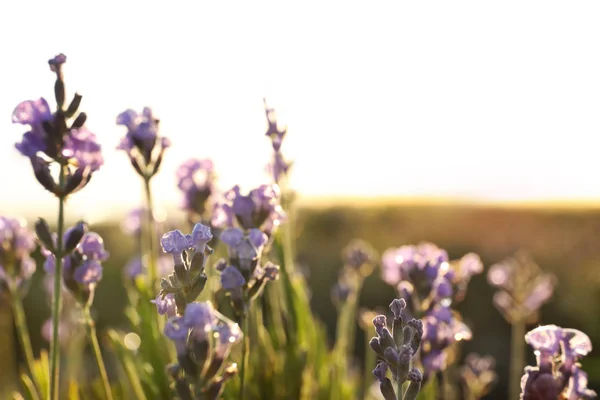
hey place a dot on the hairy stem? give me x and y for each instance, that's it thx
(517, 358)
(23, 331)
(151, 236)
(57, 295)
(244, 322)
(96, 347)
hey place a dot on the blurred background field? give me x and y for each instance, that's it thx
(562, 240)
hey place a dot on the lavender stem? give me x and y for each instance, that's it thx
(244, 322)
(151, 235)
(96, 347)
(23, 332)
(517, 358)
(54, 386)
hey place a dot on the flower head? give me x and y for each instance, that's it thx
(196, 179)
(16, 245)
(141, 142)
(557, 374)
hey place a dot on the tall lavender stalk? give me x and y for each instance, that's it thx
(524, 288)
(16, 268)
(145, 150)
(75, 150)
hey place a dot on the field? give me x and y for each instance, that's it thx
(563, 240)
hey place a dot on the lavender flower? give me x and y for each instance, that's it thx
(51, 139)
(242, 276)
(478, 375)
(395, 349)
(16, 245)
(189, 253)
(82, 267)
(132, 224)
(558, 373)
(201, 366)
(141, 142)
(196, 179)
(259, 209)
(524, 288)
(273, 132)
(431, 282)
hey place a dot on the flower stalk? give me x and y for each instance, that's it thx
(22, 330)
(91, 328)
(57, 296)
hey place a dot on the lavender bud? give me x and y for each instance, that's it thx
(79, 121)
(201, 235)
(379, 322)
(417, 326)
(78, 180)
(415, 377)
(397, 306)
(374, 343)
(43, 233)
(380, 371)
(74, 236)
(73, 106)
(387, 390)
(391, 357)
(43, 176)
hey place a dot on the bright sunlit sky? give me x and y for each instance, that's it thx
(475, 100)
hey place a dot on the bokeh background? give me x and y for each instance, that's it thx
(472, 125)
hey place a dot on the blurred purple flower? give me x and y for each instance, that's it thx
(259, 207)
(135, 268)
(478, 375)
(278, 168)
(524, 287)
(16, 245)
(132, 224)
(196, 179)
(32, 113)
(232, 279)
(273, 132)
(57, 62)
(81, 145)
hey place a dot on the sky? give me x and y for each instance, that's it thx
(474, 100)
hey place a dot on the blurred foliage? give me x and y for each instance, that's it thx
(561, 241)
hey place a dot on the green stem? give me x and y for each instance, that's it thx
(57, 295)
(96, 347)
(244, 322)
(151, 236)
(399, 391)
(370, 360)
(517, 358)
(23, 331)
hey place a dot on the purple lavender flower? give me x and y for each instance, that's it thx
(395, 347)
(278, 167)
(273, 132)
(16, 245)
(558, 373)
(132, 224)
(524, 288)
(141, 142)
(165, 305)
(199, 357)
(232, 279)
(82, 269)
(196, 179)
(259, 208)
(51, 136)
(189, 253)
(478, 375)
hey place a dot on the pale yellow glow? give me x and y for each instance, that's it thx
(484, 101)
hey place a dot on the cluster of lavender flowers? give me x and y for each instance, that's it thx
(203, 338)
(478, 376)
(142, 143)
(16, 265)
(196, 180)
(83, 255)
(359, 259)
(52, 139)
(558, 374)
(429, 282)
(524, 288)
(396, 350)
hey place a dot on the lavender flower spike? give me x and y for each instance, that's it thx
(16, 245)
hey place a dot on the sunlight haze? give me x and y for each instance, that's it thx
(469, 100)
